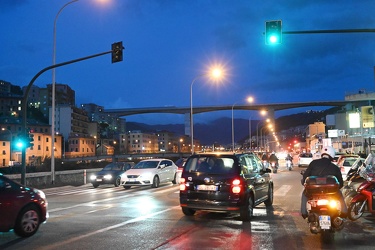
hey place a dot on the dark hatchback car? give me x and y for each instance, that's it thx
(110, 174)
(21, 208)
(225, 182)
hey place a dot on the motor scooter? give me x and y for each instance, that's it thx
(364, 200)
(288, 164)
(274, 166)
(323, 206)
(352, 182)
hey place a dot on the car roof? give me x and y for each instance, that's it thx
(222, 153)
(156, 159)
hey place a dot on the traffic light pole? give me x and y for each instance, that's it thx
(329, 31)
(24, 105)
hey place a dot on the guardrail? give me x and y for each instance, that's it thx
(62, 178)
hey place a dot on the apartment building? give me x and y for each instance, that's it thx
(80, 146)
(139, 142)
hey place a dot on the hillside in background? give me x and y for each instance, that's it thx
(220, 130)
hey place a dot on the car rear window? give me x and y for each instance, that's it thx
(211, 164)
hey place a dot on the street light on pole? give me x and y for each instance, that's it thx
(250, 118)
(250, 100)
(53, 94)
(216, 73)
(263, 113)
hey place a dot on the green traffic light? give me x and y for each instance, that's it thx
(273, 32)
(20, 144)
(273, 39)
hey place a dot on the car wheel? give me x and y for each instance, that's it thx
(246, 212)
(155, 182)
(174, 179)
(269, 201)
(188, 211)
(95, 185)
(127, 187)
(117, 181)
(27, 222)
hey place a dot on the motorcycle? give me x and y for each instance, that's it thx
(274, 166)
(323, 206)
(352, 181)
(364, 200)
(288, 165)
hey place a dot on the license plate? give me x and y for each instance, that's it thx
(98, 179)
(206, 187)
(132, 180)
(325, 221)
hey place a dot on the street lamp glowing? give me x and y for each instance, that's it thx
(215, 73)
(250, 99)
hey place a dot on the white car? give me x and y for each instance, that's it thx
(348, 162)
(150, 172)
(304, 159)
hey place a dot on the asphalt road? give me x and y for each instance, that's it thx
(150, 218)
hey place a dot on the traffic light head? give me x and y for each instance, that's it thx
(30, 142)
(25, 141)
(117, 52)
(273, 32)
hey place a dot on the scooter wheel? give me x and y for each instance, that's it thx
(354, 211)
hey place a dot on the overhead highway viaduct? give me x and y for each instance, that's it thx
(270, 108)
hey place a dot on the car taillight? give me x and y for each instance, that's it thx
(236, 186)
(182, 184)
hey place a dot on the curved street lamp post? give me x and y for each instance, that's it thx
(216, 73)
(53, 94)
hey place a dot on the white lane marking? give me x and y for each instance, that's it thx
(91, 203)
(283, 190)
(140, 218)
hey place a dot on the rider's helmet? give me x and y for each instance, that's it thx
(328, 150)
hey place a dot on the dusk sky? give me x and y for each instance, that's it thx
(170, 42)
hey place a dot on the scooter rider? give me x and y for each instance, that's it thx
(273, 158)
(264, 157)
(323, 167)
(289, 157)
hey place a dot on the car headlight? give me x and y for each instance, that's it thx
(41, 193)
(107, 177)
(93, 177)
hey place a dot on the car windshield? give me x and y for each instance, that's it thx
(146, 164)
(211, 164)
(306, 155)
(349, 161)
(112, 166)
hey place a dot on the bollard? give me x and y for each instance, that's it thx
(84, 177)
